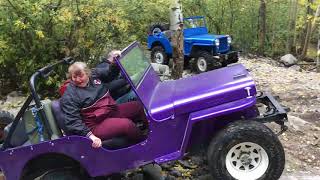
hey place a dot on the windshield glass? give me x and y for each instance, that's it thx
(193, 23)
(135, 64)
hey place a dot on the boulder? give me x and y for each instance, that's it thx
(288, 60)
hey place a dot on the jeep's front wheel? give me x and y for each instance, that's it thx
(158, 55)
(246, 150)
(204, 61)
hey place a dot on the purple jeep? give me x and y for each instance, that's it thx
(217, 108)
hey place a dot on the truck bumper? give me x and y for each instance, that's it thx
(274, 111)
(228, 58)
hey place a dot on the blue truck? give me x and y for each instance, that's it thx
(202, 51)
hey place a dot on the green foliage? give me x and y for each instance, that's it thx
(35, 33)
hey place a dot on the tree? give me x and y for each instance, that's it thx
(176, 25)
(290, 45)
(262, 26)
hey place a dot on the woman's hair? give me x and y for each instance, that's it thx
(78, 67)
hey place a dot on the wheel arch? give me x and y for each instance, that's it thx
(44, 162)
(165, 44)
(200, 47)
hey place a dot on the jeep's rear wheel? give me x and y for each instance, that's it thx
(246, 150)
(159, 56)
(5, 119)
(204, 61)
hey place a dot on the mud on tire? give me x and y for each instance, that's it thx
(246, 150)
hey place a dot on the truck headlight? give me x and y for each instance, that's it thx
(229, 40)
(217, 42)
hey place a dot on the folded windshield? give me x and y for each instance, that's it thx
(135, 64)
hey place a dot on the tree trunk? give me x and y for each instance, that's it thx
(318, 54)
(262, 26)
(176, 25)
(305, 40)
(290, 45)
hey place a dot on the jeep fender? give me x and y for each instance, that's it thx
(160, 40)
(213, 113)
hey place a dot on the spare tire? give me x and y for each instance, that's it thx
(5, 119)
(156, 28)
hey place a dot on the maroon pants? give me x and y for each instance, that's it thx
(120, 122)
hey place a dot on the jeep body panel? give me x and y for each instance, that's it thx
(162, 40)
(171, 118)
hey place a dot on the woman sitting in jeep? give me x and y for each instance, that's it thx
(91, 111)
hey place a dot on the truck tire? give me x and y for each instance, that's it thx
(157, 28)
(246, 150)
(204, 61)
(62, 174)
(158, 55)
(5, 119)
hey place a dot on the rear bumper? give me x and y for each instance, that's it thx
(274, 111)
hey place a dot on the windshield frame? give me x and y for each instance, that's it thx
(195, 18)
(125, 52)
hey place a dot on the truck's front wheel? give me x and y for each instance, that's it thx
(204, 61)
(158, 55)
(246, 150)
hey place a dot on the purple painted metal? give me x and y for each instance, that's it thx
(173, 107)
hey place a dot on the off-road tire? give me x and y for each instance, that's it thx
(160, 27)
(207, 60)
(246, 132)
(5, 119)
(64, 173)
(159, 51)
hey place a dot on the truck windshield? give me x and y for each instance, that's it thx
(135, 64)
(193, 23)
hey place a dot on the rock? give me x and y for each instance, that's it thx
(152, 171)
(297, 123)
(170, 178)
(295, 67)
(161, 69)
(175, 173)
(186, 164)
(288, 60)
(167, 166)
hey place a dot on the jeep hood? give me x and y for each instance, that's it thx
(213, 88)
(204, 37)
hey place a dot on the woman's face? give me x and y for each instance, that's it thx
(80, 78)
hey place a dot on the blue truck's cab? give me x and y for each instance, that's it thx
(207, 51)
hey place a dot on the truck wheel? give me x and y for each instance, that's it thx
(5, 119)
(246, 150)
(204, 61)
(159, 56)
(61, 174)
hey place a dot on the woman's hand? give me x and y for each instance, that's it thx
(96, 142)
(113, 54)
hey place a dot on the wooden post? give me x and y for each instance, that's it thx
(176, 26)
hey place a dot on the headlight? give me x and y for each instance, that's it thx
(229, 40)
(217, 42)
